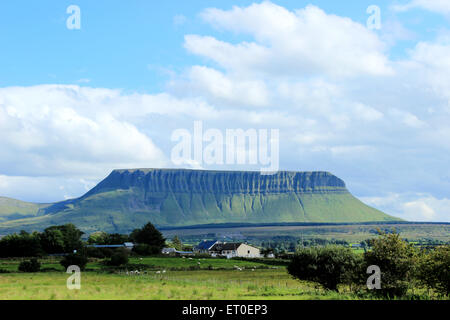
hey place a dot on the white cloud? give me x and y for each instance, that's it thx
(438, 6)
(294, 43)
(379, 126)
(413, 207)
(59, 130)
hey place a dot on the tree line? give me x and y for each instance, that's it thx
(402, 266)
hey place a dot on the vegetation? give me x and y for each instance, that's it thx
(32, 265)
(434, 270)
(119, 258)
(402, 265)
(329, 266)
(148, 239)
(77, 259)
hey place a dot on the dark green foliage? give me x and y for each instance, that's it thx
(104, 238)
(77, 259)
(61, 239)
(120, 257)
(149, 236)
(146, 250)
(23, 244)
(32, 265)
(99, 252)
(396, 260)
(329, 266)
(434, 270)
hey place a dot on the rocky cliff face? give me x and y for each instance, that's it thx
(219, 182)
(127, 199)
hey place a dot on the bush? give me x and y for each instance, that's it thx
(119, 258)
(146, 250)
(434, 270)
(329, 266)
(396, 260)
(30, 266)
(100, 253)
(76, 259)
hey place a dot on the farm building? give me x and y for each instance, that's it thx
(204, 246)
(231, 250)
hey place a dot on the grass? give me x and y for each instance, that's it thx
(191, 285)
(157, 263)
(265, 282)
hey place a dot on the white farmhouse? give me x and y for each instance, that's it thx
(231, 250)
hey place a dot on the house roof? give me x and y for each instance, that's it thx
(226, 246)
(205, 245)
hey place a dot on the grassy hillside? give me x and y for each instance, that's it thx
(11, 209)
(127, 199)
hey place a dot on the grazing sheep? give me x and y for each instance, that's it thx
(158, 272)
(164, 271)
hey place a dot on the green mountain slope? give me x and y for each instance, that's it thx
(12, 209)
(127, 199)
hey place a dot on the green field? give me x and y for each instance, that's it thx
(165, 278)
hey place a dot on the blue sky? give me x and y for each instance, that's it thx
(371, 106)
(130, 44)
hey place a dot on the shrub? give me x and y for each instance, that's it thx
(76, 259)
(396, 260)
(30, 266)
(434, 270)
(329, 266)
(119, 258)
(100, 253)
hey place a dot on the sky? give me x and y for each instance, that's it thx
(369, 104)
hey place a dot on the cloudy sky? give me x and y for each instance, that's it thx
(369, 105)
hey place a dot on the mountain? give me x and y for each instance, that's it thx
(127, 199)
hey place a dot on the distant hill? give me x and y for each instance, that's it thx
(127, 199)
(12, 209)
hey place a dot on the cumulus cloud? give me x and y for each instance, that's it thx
(413, 207)
(64, 130)
(325, 81)
(301, 42)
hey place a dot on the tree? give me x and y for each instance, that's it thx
(23, 244)
(99, 237)
(329, 266)
(66, 238)
(177, 244)
(396, 260)
(148, 236)
(52, 240)
(434, 270)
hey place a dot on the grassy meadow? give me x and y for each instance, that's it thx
(164, 278)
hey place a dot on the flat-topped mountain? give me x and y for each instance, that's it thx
(126, 199)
